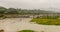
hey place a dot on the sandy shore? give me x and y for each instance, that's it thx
(16, 24)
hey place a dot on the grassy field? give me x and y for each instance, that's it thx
(46, 21)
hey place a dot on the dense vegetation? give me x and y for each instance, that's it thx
(21, 11)
(47, 21)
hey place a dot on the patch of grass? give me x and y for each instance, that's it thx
(46, 21)
(26, 31)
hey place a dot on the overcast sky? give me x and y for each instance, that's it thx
(31, 4)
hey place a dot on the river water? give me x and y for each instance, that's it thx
(16, 24)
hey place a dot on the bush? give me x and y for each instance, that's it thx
(2, 17)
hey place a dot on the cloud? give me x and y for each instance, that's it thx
(30, 4)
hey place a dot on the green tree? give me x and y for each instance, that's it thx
(12, 11)
(2, 9)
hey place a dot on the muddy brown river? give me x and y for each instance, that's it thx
(16, 24)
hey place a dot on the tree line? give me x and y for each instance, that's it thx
(4, 10)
